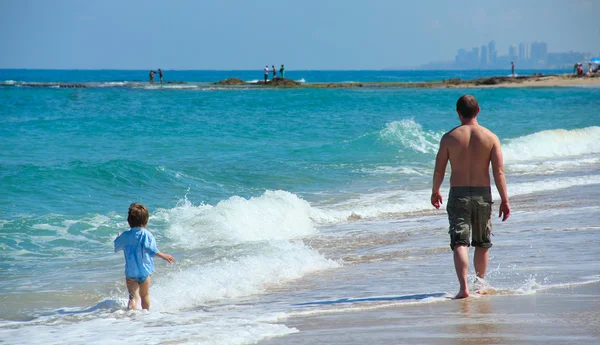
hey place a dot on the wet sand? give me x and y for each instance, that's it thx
(566, 315)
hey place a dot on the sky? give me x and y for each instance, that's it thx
(302, 34)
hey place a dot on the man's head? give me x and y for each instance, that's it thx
(137, 215)
(467, 106)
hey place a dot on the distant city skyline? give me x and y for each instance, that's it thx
(526, 55)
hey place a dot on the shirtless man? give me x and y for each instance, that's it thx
(470, 148)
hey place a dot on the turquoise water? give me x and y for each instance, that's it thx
(258, 191)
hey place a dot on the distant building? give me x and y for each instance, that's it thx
(566, 60)
(484, 56)
(539, 53)
(492, 53)
(523, 52)
(512, 53)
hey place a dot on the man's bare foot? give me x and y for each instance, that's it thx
(462, 294)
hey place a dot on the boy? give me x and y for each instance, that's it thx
(139, 246)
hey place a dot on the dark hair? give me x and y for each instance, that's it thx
(467, 106)
(137, 215)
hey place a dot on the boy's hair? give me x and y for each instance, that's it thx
(467, 106)
(137, 215)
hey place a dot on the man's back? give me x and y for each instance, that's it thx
(469, 151)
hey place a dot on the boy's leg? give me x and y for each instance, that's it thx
(133, 287)
(145, 294)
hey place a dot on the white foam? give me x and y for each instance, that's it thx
(123, 327)
(390, 170)
(549, 167)
(552, 143)
(274, 264)
(302, 80)
(272, 216)
(374, 205)
(411, 135)
(551, 184)
(113, 83)
(392, 203)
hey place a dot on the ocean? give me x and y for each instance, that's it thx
(276, 203)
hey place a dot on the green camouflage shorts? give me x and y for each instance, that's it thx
(470, 210)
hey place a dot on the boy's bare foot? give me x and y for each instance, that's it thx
(462, 294)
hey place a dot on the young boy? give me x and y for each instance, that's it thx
(139, 246)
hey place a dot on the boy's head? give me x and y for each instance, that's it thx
(137, 216)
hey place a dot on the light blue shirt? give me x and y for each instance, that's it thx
(138, 246)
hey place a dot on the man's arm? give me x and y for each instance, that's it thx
(441, 160)
(499, 179)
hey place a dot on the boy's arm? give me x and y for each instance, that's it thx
(166, 257)
(117, 243)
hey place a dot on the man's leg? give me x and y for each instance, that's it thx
(461, 264)
(145, 294)
(133, 287)
(480, 259)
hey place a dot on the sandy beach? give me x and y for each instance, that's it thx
(536, 80)
(565, 315)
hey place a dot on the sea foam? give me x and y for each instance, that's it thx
(273, 264)
(275, 215)
(552, 144)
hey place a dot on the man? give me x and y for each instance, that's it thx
(160, 75)
(266, 72)
(281, 72)
(151, 77)
(274, 72)
(512, 63)
(470, 148)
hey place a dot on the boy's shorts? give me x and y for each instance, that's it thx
(140, 280)
(470, 210)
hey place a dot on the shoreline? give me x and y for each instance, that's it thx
(559, 315)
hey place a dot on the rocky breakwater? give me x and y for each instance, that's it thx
(277, 82)
(231, 81)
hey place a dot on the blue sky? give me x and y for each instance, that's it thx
(303, 34)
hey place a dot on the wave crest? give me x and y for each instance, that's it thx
(409, 134)
(553, 143)
(275, 215)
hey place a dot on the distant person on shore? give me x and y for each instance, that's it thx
(590, 69)
(470, 148)
(512, 68)
(138, 246)
(281, 72)
(274, 71)
(575, 68)
(580, 70)
(266, 71)
(151, 77)
(160, 75)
